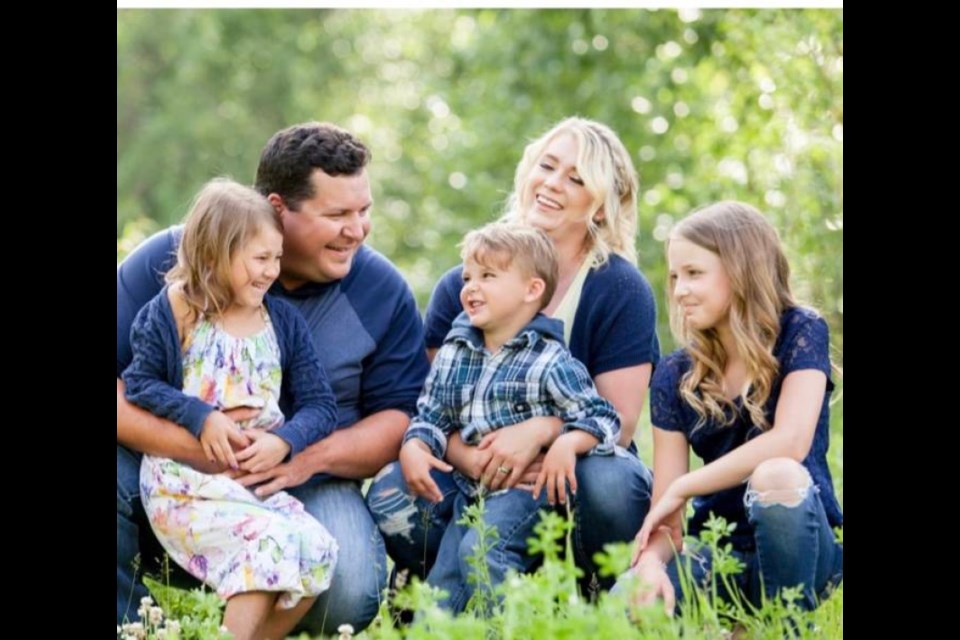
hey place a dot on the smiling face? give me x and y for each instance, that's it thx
(554, 193)
(254, 267)
(323, 235)
(499, 297)
(699, 285)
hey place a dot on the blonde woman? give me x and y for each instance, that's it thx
(577, 183)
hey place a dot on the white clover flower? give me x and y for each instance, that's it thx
(146, 601)
(398, 583)
(173, 626)
(345, 628)
(155, 615)
(135, 630)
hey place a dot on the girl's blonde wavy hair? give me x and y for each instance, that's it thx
(224, 217)
(607, 171)
(750, 251)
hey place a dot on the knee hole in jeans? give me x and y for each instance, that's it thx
(783, 481)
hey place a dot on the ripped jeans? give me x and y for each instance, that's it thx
(412, 527)
(794, 546)
(612, 501)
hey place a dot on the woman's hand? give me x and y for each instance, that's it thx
(513, 448)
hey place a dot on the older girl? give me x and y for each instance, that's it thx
(749, 393)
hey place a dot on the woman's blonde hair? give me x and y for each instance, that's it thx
(605, 167)
(224, 217)
(750, 251)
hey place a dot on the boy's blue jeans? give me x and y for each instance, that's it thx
(612, 500)
(794, 546)
(360, 575)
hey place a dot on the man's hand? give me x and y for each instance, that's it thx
(239, 414)
(282, 476)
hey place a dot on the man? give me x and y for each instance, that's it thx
(368, 333)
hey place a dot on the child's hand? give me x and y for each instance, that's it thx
(559, 467)
(652, 582)
(416, 461)
(219, 437)
(267, 451)
(664, 511)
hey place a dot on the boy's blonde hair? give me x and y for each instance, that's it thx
(752, 256)
(224, 217)
(605, 166)
(504, 244)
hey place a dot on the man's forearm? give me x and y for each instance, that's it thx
(359, 451)
(142, 431)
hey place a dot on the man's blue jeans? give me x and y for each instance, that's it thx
(612, 500)
(360, 576)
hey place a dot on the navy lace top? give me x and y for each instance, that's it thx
(803, 343)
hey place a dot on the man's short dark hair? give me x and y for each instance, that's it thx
(291, 156)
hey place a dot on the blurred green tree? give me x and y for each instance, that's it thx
(720, 104)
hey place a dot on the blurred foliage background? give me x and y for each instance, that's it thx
(719, 104)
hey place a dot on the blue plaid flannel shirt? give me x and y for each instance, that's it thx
(474, 392)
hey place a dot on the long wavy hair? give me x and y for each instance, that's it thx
(607, 171)
(750, 251)
(224, 217)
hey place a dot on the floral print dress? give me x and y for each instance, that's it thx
(212, 526)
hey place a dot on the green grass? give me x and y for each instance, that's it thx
(547, 603)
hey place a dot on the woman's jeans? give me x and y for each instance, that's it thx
(513, 513)
(611, 502)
